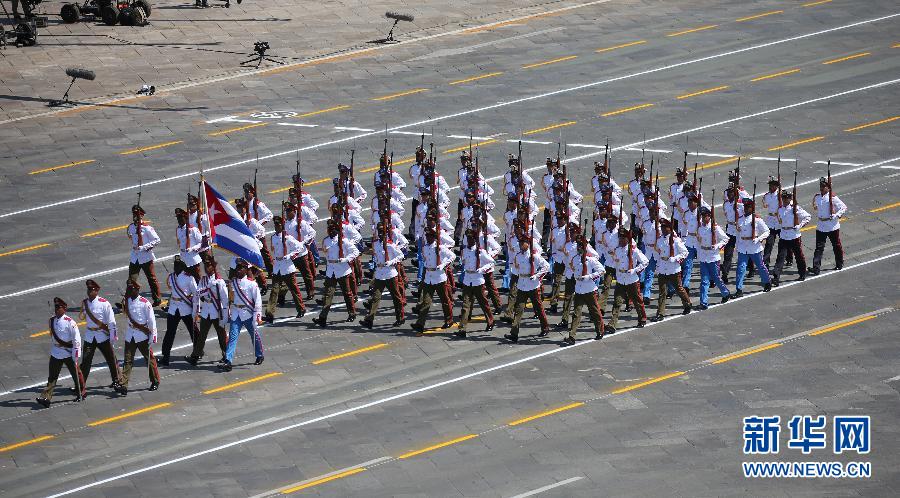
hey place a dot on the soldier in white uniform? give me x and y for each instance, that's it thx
(670, 251)
(340, 252)
(710, 240)
(65, 349)
(101, 332)
(190, 242)
(752, 232)
(386, 254)
(306, 235)
(792, 218)
(140, 333)
(772, 201)
(630, 262)
(477, 262)
(143, 240)
(586, 271)
(829, 209)
(285, 248)
(183, 306)
(437, 257)
(245, 311)
(530, 266)
(213, 292)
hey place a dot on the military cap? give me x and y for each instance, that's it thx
(92, 284)
(137, 209)
(57, 303)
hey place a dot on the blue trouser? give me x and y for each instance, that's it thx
(742, 268)
(507, 273)
(235, 331)
(687, 267)
(710, 271)
(420, 271)
(315, 253)
(647, 277)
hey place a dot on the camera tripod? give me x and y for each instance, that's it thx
(260, 48)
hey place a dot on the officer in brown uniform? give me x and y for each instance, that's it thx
(65, 350)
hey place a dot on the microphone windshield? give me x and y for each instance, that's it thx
(399, 17)
(85, 74)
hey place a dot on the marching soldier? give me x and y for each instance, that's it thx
(559, 237)
(65, 349)
(101, 332)
(710, 239)
(387, 255)
(285, 249)
(257, 210)
(183, 306)
(752, 231)
(245, 311)
(630, 262)
(792, 219)
(530, 266)
(190, 242)
(143, 240)
(476, 263)
(772, 201)
(213, 292)
(302, 230)
(259, 232)
(140, 332)
(437, 259)
(196, 218)
(340, 253)
(586, 270)
(671, 251)
(572, 249)
(829, 209)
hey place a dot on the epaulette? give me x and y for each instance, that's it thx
(144, 299)
(102, 300)
(67, 318)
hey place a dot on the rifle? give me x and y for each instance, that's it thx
(137, 225)
(630, 256)
(656, 209)
(699, 205)
(794, 200)
(384, 153)
(352, 186)
(349, 187)
(753, 214)
(606, 158)
(695, 174)
(830, 191)
(712, 225)
(736, 192)
(255, 191)
(651, 167)
(778, 177)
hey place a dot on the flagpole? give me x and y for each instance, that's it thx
(204, 209)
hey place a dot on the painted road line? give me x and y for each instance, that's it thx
(545, 414)
(798, 142)
(476, 78)
(694, 30)
(548, 128)
(352, 128)
(548, 487)
(305, 184)
(436, 446)
(775, 75)
(465, 147)
(427, 388)
(648, 382)
(746, 353)
(350, 353)
(231, 130)
(586, 146)
(702, 92)
(298, 125)
(413, 133)
(896, 46)
(323, 111)
(512, 22)
(627, 109)
(529, 98)
(841, 325)
(629, 44)
(551, 61)
(885, 208)
(47, 332)
(61, 166)
(849, 57)
(243, 383)
(152, 147)
(401, 94)
(757, 16)
(813, 4)
(323, 480)
(876, 123)
(105, 230)
(26, 443)
(24, 249)
(129, 414)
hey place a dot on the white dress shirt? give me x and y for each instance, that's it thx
(143, 253)
(213, 293)
(746, 243)
(790, 231)
(770, 202)
(670, 254)
(639, 261)
(586, 274)
(64, 329)
(184, 298)
(434, 272)
(285, 252)
(140, 312)
(528, 280)
(828, 221)
(706, 251)
(102, 310)
(338, 265)
(473, 274)
(246, 300)
(260, 211)
(305, 236)
(189, 244)
(386, 268)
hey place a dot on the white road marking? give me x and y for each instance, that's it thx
(834, 162)
(414, 133)
(549, 487)
(301, 125)
(352, 128)
(554, 350)
(232, 119)
(587, 146)
(487, 108)
(472, 48)
(661, 151)
(892, 379)
(536, 142)
(466, 137)
(890, 167)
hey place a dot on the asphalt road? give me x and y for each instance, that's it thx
(339, 411)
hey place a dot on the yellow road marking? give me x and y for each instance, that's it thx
(701, 92)
(239, 128)
(694, 30)
(323, 111)
(508, 23)
(396, 163)
(719, 163)
(551, 127)
(544, 414)
(152, 147)
(798, 142)
(243, 382)
(476, 78)
(105, 230)
(885, 208)
(314, 182)
(629, 44)
(813, 4)
(322, 480)
(648, 382)
(61, 166)
(896, 46)
(746, 353)
(842, 325)
(129, 414)
(627, 109)
(24, 249)
(770, 76)
(401, 94)
(437, 446)
(876, 123)
(350, 353)
(47, 332)
(465, 147)
(757, 16)
(26, 443)
(552, 61)
(842, 59)
(316, 62)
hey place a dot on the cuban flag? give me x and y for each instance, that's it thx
(228, 229)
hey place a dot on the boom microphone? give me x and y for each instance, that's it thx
(399, 17)
(85, 74)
